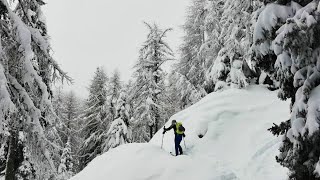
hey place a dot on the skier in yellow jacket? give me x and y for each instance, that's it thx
(178, 134)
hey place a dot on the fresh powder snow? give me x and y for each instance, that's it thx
(235, 143)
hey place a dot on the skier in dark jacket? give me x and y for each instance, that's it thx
(177, 136)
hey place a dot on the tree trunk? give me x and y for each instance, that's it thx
(150, 129)
(155, 109)
(157, 118)
(112, 110)
(12, 156)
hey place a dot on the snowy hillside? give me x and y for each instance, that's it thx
(236, 143)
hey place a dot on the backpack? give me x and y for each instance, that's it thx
(179, 128)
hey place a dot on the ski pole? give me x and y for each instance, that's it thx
(184, 143)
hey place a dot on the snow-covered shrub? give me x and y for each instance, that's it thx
(117, 134)
(65, 169)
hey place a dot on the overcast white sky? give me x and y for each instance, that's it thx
(86, 34)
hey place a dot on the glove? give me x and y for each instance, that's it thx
(164, 130)
(183, 135)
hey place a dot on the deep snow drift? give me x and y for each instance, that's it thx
(236, 143)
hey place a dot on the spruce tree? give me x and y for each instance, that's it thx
(114, 92)
(150, 81)
(117, 134)
(182, 92)
(67, 107)
(291, 43)
(65, 169)
(27, 71)
(94, 119)
(123, 106)
(192, 61)
(235, 39)
(119, 130)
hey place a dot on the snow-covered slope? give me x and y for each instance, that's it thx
(236, 143)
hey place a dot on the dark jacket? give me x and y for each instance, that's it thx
(174, 127)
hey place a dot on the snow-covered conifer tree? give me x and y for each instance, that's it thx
(27, 71)
(58, 102)
(150, 81)
(117, 134)
(215, 51)
(94, 118)
(67, 107)
(123, 106)
(65, 169)
(71, 109)
(113, 92)
(26, 170)
(119, 131)
(288, 35)
(192, 61)
(183, 92)
(234, 39)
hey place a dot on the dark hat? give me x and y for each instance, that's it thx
(173, 121)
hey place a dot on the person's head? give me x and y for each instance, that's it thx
(173, 122)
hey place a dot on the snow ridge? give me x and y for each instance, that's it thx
(235, 143)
